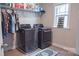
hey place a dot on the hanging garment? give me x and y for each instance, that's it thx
(6, 16)
(11, 24)
(5, 23)
(15, 22)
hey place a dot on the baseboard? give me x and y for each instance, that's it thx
(65, 48)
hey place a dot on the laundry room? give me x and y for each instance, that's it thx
(39, 29)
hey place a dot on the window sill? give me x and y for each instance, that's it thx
(61, 28)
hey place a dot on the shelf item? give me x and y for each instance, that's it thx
(24, 5)
(18, 5)
(5, 4)
(27, 8)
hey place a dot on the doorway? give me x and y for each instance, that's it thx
(9, 21)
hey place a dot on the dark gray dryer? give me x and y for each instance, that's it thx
(44, 36)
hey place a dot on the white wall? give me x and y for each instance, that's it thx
(65, 38)
(77, 36)
(28, 18)
(47, 18)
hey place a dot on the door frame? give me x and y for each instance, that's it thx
(1, 39)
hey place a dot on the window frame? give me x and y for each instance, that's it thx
(55, 24)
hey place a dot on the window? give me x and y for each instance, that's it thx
(61, 16)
